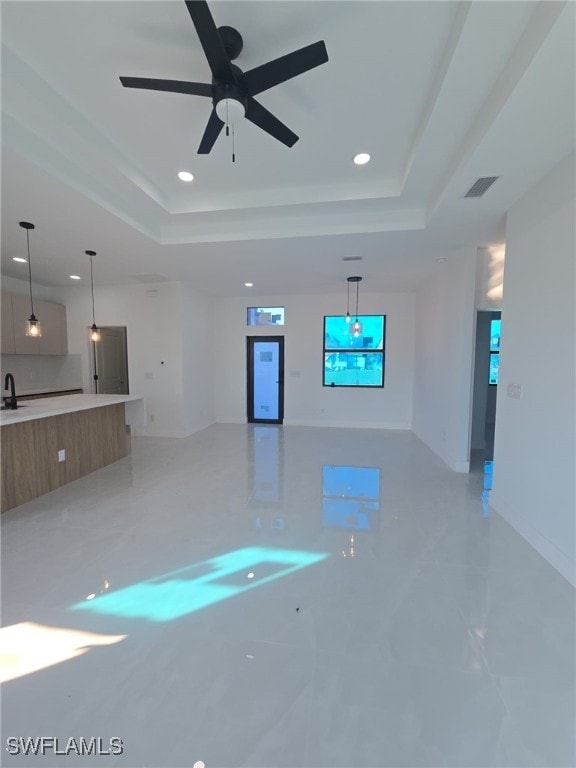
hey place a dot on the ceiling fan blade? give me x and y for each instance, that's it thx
(174, 86)
(260, 116)
(211, 133)
(286, 67)
(210, 40)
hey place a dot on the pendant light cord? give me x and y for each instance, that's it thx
(29, 270)
(348, 301)
(357, 300)
(91, 254)
(92, 283)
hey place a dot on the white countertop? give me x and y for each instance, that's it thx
(54, 406)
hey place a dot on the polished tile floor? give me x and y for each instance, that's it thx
(264, 596)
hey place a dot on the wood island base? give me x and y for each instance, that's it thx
(91, 439)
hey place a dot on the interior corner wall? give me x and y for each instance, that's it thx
(152, 315)
(445, 322)
(198, 354)
(534, 453)
(306, 401)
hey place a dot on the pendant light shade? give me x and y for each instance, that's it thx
(356, 327)
(94, 330)
(32, 324)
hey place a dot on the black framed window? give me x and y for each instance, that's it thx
(354, 356)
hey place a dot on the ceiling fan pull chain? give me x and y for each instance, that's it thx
(227, 131)
(233, 155)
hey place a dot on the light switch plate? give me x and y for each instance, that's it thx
(62, 455)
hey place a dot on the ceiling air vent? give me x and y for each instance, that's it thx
(352, 258)
(481, 186)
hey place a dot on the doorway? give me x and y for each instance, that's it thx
(487, 356)
(265, 379)
(110, 362)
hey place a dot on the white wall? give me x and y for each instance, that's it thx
(157, 321)
(534, 459)
(444, 347)
(490, 277)
(197, 359)
(306, 401)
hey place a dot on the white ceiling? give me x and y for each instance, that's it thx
(439, 93)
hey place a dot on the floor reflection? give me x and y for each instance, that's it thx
(488, 474)
(351, 497)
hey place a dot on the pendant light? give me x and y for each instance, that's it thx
(32, 324)
(94, 330)
(356, 328)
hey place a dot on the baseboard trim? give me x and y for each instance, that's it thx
(549, 551)
(345, 424)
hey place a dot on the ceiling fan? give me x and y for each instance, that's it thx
(232, 91)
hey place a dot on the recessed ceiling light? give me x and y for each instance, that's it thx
(248, 285)
(362, 158)
(18, 258)
(185, 176)
(75, 277)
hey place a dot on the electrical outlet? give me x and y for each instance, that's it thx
(62, 455)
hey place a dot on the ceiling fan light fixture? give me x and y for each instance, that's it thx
(362, 158)
(185, 176)
(230, 110)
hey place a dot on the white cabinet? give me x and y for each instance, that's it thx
(52, 317)
(54, 339)
(7, 346)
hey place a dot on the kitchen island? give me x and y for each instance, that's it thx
(50, 442)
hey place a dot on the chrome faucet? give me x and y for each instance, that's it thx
(11, 401)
